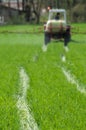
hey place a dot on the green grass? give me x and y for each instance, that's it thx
(55, 103)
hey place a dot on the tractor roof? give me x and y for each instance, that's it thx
(57, 10)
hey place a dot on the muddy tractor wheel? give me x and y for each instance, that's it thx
(67, 38)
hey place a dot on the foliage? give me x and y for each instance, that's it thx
(79, 13)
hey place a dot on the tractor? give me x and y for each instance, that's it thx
(56, 28)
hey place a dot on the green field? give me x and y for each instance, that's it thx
(55, 103)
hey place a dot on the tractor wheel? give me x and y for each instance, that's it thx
(47, 38)
(67, 38)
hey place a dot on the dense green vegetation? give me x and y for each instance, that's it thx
(56, 104)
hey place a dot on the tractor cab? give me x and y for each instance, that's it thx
(59, 12)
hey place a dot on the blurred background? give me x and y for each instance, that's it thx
(36, 11)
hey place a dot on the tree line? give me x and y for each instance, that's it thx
(76, 9)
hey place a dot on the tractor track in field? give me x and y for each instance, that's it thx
(27, 122)
(73, 80)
